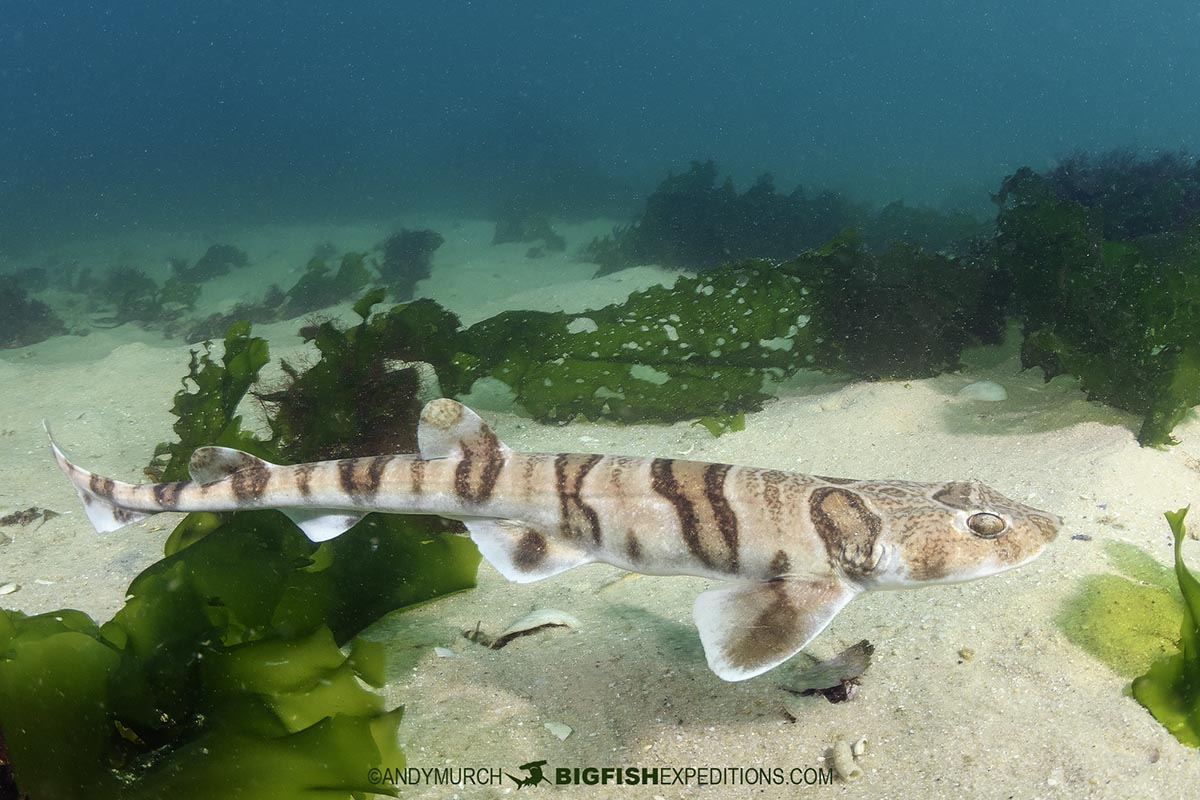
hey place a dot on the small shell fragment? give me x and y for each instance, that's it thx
(836, 679)
(558, 729)
(8, 588)
(624, 577)
(859, 747)
(985, 391)
(843, 761)
(535, 621)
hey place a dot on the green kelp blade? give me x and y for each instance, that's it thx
(390, 562)
(1176, 393)
(332, 759)
(1171, 689)
(59, 738)
(720, 424)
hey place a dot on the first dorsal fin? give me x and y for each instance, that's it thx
(448, 429)
(209, 464)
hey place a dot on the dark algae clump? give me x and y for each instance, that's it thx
(408, 258)
(352, 401)
(690, 222)
(1140, 195)
(703, 347)
(224, 668)
(1120, 314)
(320, 286)
(903, 313)
(24, 321)
(217, 260)
(515, 226)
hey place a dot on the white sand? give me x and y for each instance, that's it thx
(1031, 715)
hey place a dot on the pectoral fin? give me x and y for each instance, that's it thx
(748, 628)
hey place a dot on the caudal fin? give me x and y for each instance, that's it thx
(96, 492)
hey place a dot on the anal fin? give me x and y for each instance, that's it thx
(522, 553)
(322, 524)
(748, 628)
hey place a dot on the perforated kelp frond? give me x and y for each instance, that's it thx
(700, 347)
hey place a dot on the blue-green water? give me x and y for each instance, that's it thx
(127, 114)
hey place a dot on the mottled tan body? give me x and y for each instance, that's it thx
(800, 546)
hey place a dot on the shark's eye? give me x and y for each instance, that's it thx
(986, 525)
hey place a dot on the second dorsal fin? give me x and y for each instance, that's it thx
(209, 464)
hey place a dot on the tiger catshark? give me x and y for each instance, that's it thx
(793, 549)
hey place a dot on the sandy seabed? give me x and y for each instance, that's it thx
(1030, 715)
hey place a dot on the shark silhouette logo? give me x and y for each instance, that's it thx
(534, 777)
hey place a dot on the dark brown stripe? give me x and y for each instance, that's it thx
(574, 514)
(416, 475)
(560, 489)
(304, 478)
(166, 495)
(102, 487)
(727, 524)
(526, 486)
(835, 481)
(589, 513)
(477, 472)
(360, 477)
(124, 515)
(345, 470)
(249, 482)
(633, 548)
(374, 474)
(780, 564)
(662, 480)
(378, 466)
